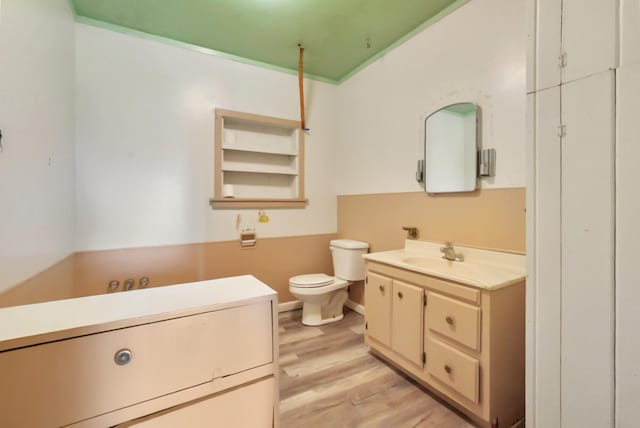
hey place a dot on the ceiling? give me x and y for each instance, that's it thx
(339, 36)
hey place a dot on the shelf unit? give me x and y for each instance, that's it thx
(262, 158)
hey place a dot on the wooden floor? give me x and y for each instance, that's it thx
(328, 378)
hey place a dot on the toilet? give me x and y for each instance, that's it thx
(323, 296)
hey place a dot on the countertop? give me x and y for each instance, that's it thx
(483, 269)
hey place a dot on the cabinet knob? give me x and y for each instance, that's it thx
(449, 320)
(381, 289)
(399, 294)
(123, 357)
(447, 368)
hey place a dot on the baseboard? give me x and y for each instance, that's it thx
(289, 306)
(356, 307)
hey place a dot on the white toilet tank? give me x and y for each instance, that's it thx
(347, 255)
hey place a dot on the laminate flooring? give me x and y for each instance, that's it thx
(328, 378)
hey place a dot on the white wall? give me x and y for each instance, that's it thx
(37, 119)
(145, 140)
(477, 54)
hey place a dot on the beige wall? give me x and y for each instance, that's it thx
(492, 218)
(272, 260)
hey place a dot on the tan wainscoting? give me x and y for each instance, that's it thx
(490, 219)
(53, 283)
(272, 260)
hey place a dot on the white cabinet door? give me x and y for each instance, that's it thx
(627, 247)
(407, 314)
(584, 32)
(548, 43)
(630, 33)
(589, 37)
(545, 267)
(588, 112)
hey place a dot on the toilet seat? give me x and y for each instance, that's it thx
(311, 280)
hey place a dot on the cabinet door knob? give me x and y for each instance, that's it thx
(381, 289)
(447, 368)
(449, 320)
(123, 357)
(400, 294)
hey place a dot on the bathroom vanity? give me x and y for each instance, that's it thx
(456, 327)
(196, 355)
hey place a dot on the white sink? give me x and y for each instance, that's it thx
(481, 268)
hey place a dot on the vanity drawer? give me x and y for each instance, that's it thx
(454, 319)
(62, 382)
(454, 368)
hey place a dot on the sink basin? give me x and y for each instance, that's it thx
(481, 268)
(431, 263)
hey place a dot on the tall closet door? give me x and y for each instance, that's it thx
(589, 37)
(587, 368)
(628, 247)
(548, 23)
(629, 33)
(544, 248)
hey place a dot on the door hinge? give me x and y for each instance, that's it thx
(424, 358)
(366, 279)
(562, 131)
(424, 300)
(562, 60)
(366, 326)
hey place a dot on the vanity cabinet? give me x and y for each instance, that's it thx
(463, 343)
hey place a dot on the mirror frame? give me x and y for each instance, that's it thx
(475, 155)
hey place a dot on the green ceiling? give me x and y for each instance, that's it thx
(335, 33)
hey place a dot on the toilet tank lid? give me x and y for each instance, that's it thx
(349, 244)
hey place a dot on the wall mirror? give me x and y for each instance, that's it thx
(451, 149)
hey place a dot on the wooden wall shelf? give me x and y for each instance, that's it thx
(262, 158)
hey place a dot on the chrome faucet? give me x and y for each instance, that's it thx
(449, 253)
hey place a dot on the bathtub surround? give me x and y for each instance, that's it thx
(272, 260)
(37, 119)
(159, 327)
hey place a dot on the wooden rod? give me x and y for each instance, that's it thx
(301, 85)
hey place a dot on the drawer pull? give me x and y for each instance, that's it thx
(399, 294)
(381, 289)
(123, 357)
(448, 369)
(449, 320)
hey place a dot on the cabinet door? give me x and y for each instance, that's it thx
(588, 251)
(583, 31)
(627, 246)
(406, 323)
(377, 304)
(544, 255)
(548, 23)
(589, 37)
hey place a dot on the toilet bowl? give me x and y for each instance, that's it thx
(323, 296)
